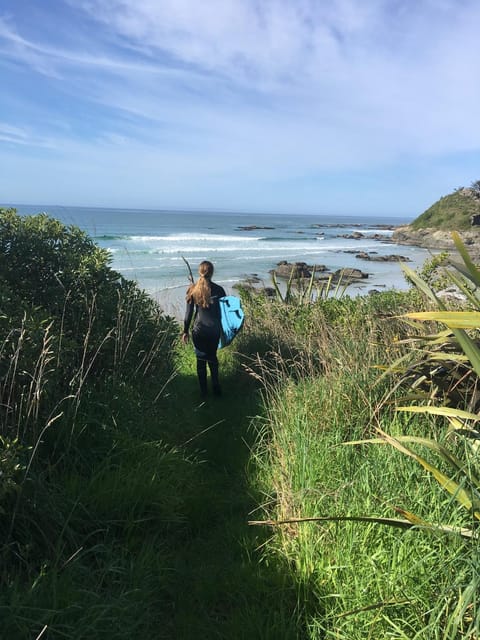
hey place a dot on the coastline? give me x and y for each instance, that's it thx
(434, 240)
(439, 239)
(361, 281)
(149, 247)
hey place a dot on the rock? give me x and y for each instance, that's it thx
(356, 235)
(349, 273)
(379, 237)
(468, 192)
(452, 294)
(285, 269)
(253, 227)
(252, 279)
(268, 292)
(376, 258)
(363, 255)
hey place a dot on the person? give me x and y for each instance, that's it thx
(203, 306)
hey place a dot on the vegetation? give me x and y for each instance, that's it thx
(475, 186)
(452, 212)
(324, 477)
(129, 509)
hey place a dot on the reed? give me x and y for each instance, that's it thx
(365, 580)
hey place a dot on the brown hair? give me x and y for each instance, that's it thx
(200, 292)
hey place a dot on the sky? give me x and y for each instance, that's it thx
(348, 107)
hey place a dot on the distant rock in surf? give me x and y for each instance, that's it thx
(363, 255)
(252, 227)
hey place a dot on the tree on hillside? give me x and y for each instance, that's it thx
(475, 186)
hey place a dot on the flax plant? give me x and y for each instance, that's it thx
(448, 352)
(451, 354)
(447, 368)
(302, 291)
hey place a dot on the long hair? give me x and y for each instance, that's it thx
(200, 292)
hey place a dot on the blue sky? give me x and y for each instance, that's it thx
(308, 106)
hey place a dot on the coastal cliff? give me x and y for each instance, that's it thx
(458, 211)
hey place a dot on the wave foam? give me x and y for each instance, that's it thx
(193, 237)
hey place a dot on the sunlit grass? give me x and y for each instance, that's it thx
(125, 498)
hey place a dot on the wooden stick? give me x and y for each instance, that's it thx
(190, 274)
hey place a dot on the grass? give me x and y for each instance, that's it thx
(223, 590)
(364, 580)
(308, 472)
(451, 212)
(143, 531)
(126, 503)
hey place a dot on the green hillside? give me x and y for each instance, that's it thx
(452, 212)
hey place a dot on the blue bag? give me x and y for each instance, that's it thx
(232, 317)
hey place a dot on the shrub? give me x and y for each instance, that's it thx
(67, 320)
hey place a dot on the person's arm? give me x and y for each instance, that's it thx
(187, 320)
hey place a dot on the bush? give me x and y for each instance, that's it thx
(67, 321)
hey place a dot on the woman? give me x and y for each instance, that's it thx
(202, 298)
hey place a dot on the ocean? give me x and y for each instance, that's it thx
(150, 246)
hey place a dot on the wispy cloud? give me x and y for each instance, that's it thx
(24, 137)
(250, 87)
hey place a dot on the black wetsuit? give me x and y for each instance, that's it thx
(205, 336)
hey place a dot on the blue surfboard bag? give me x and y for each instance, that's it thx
(232, 317)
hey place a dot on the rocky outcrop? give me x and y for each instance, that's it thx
(469, 192)
(301, 270)
(356, 235)
(434, 238)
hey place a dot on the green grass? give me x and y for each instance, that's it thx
(128, 516)
(143, 531)
(364, 580)
(451, 212)
(394, 575)
(223, 590)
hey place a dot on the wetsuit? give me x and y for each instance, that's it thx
(205, 336)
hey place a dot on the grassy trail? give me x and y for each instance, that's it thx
(221, 588)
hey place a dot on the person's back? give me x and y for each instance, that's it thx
(207, 317)
(203, 306)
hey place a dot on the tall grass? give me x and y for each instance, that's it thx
(124, 499)
(367, 581)
(90, 485)
(86, 498)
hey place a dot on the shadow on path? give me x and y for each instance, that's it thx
(222, 588)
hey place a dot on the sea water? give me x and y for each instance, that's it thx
(151, 247)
